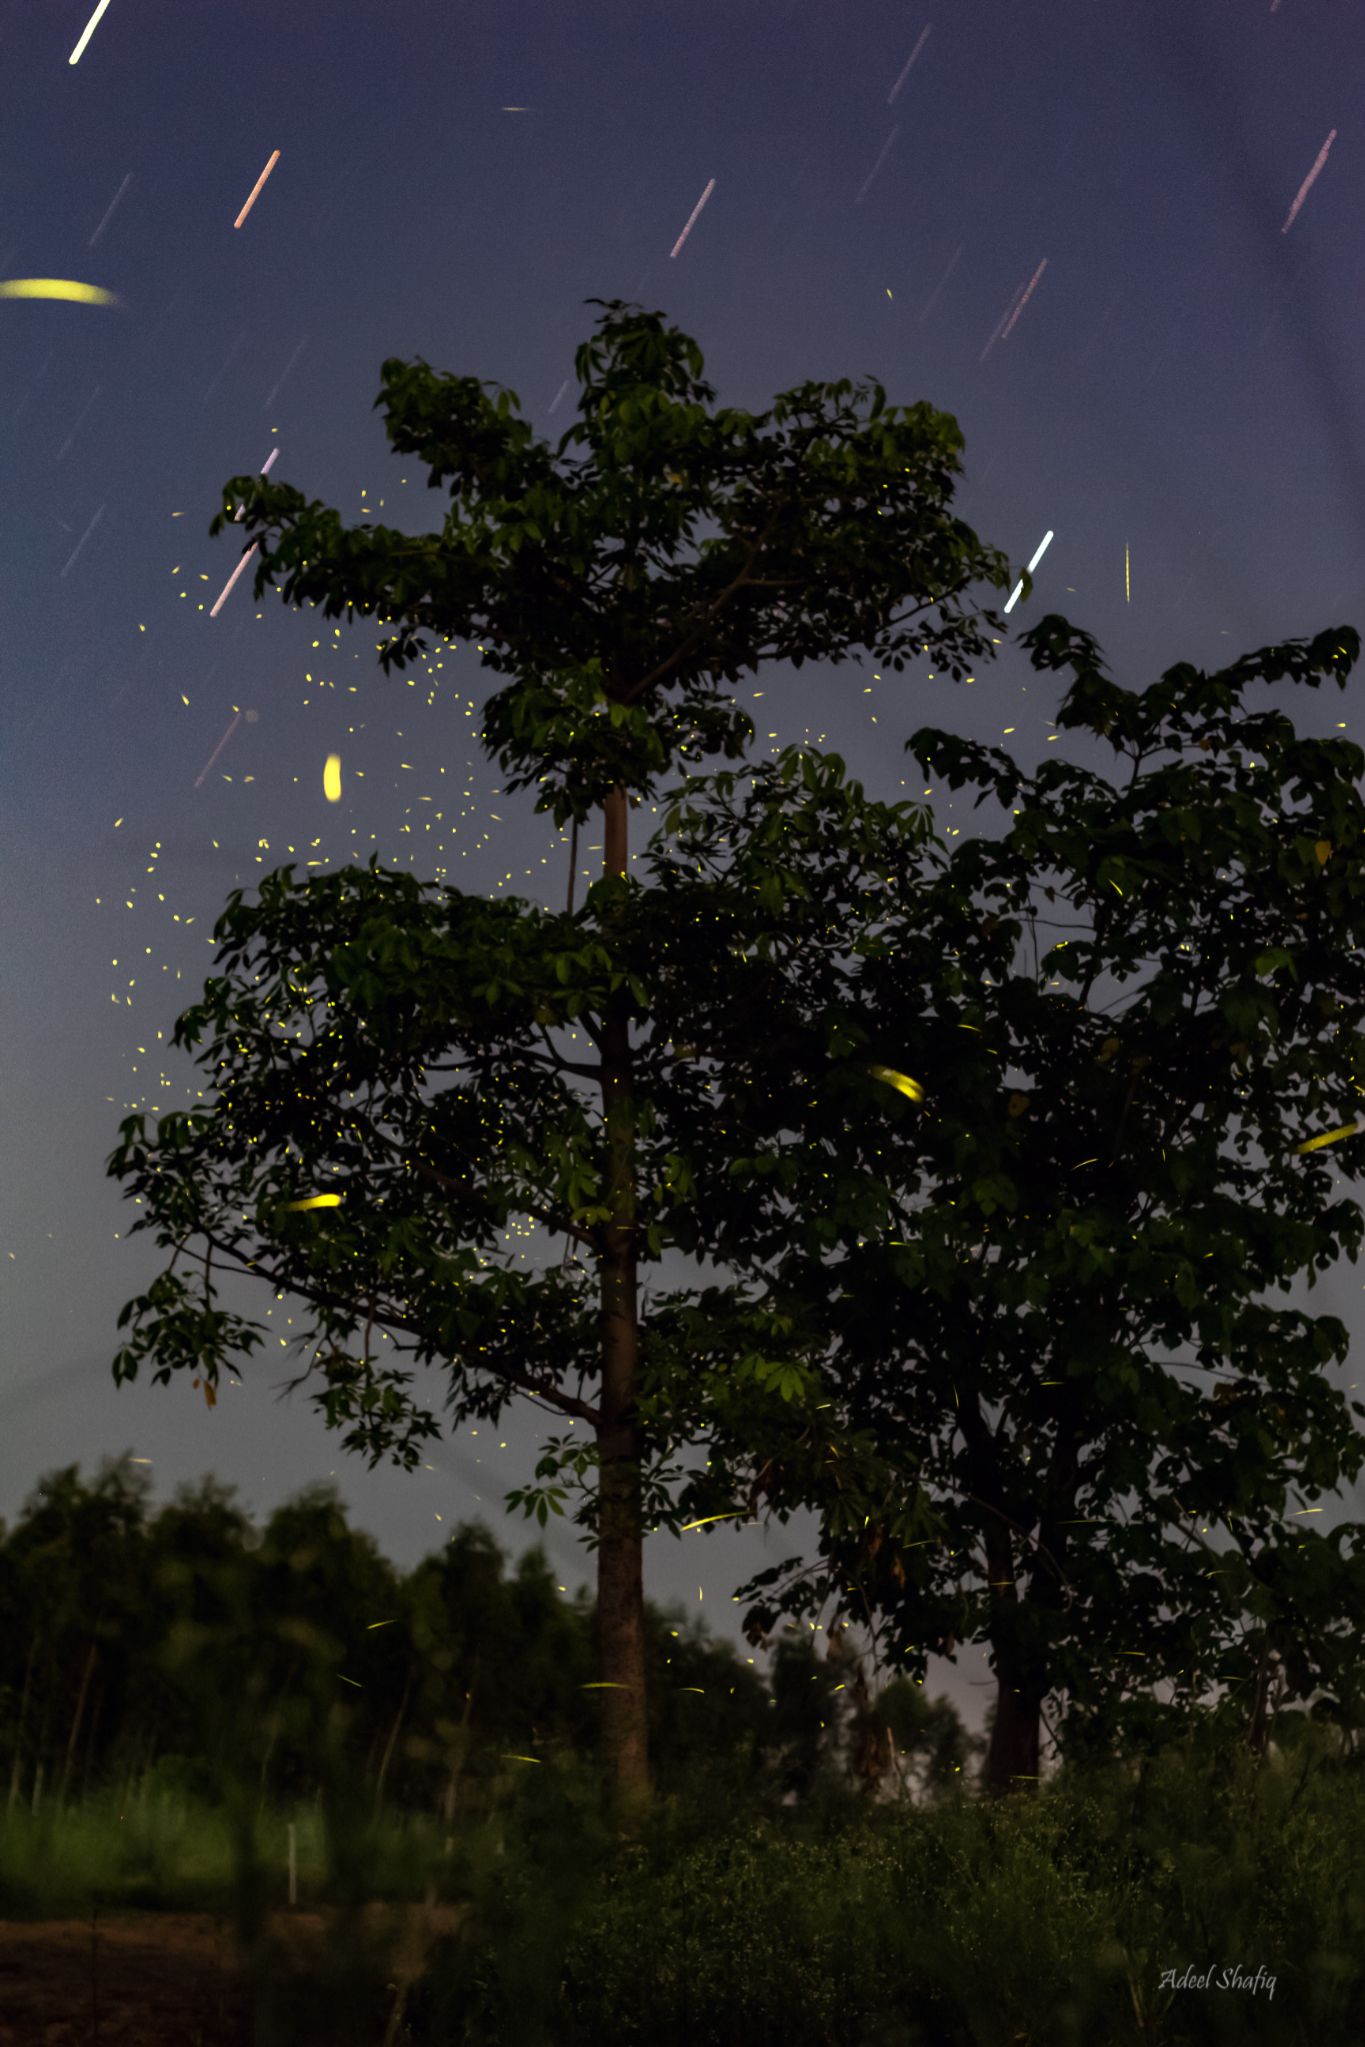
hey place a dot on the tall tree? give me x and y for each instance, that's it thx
(1052, 1189)
(567, 576)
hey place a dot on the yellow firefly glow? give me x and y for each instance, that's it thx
(1127, 577)
(331, 778)
(317, 1201)
(56, 288)
(898, 1080)
(1328, 1137)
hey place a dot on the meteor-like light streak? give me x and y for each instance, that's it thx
(691, 218)
(924, 37)
(226, 591)
(287, 368)
(84, 537)
(266, 467)
(1017, 591)
(999, 327)
(87, 32)
(933, 296)
(878, 164)
(110, 214)
(217, 750)
(77, 427)
(1306, 187)
(255, 190)
(1024, 300)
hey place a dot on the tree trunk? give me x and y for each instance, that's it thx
(76, 1719)
(620, 1562)
(1269, 1680)
(17, 1764)
(101, 1691)
(1012, 1762)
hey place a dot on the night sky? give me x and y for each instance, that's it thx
(1069, 225)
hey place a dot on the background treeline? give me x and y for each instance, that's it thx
(185, 1649)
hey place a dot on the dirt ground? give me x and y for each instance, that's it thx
(175, 1979)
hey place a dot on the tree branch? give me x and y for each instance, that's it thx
(566, 1403)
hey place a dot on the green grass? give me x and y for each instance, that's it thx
(171, 1852)
(966, 1924)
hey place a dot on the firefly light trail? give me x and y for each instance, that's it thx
(56, 288)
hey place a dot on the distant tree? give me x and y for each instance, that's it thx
(79, 1552)
(999, 1200)
(346, 996)
(199, 1611)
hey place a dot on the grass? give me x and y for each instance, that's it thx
(171, 1852)
(964, 1924)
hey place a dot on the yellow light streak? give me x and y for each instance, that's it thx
(87, 32)
(902, 1081)
(56, 288)
(1328, 1137)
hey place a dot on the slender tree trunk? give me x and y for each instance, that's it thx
(265, 1764)
(101, 1692)
(153, 1740)
(388, 1746)
(620, 1562)
(1012, 1763)
(1260, 1707)
(76, 1718)
(17, 1765)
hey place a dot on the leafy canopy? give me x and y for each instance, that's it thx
(565, 573)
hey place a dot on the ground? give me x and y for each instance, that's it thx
(174, 1979)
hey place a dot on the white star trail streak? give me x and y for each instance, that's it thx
(110, 214)
(924, 37)
(1009, 324)
(1306, 187)
(226, 590)
(84, 537)
(691, 218)
(878, 164)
